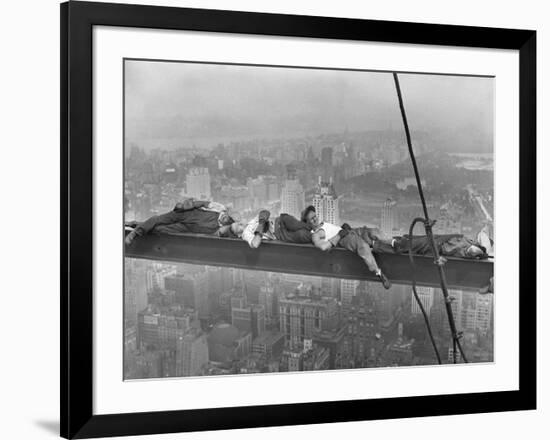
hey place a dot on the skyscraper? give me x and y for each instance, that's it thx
(348, 289)
(270, 344)
(198, 183)
(361, 327)
(249, 318)
(469, 306)
(388, 221)
(325, 202)
(191, 353)
(269, 300)
(135, 291)
(192, 290)
(162, 327)
(301, 317)
(426, 296)
(293, 199)
(330, 287)
(308, 357)
(183, 288)
(484, 308)
(156, 274)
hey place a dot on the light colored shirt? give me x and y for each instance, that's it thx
(484, 240)
(250, 231)
(330, 230)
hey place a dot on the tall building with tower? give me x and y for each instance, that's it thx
(325, 202)
(293, 196)
(197, 183)
(389, 218)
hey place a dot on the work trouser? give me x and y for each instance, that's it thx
(291, 230)
(359, 241)
(195, 221)
(448, 245)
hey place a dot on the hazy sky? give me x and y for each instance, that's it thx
(189, 103)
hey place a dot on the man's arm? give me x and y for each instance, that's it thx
(320, 241)
(256, 228)
(205, 205)
(213, 206)
(292, 224)
(251, 235)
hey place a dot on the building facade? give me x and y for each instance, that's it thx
(388, 218)
(197, 183)
(301, 317)
(325, 202)
(191, 353)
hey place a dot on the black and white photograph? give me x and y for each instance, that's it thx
(275, 219)
(283, 219)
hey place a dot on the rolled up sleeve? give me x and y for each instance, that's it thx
(214, 207)
(250, 230)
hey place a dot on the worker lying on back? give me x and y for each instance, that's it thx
(326, 235)
(194, 216)
(284, 227)
(448, 245)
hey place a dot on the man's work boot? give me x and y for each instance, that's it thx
(130, 238)
(384, 279)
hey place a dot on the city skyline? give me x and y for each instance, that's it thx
(276, 322)
(192, 320)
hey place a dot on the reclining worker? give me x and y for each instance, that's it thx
(448, 245)
(325, 236)
(195, 216)
(308, 230)
(285, 228)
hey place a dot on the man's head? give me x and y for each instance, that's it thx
(237, 228)
(233, 230)
(225, 219)
(476, 251)
(309, 216)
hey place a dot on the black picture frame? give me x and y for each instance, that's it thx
(77, 21)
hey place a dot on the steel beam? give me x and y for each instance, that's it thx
(305, 259)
